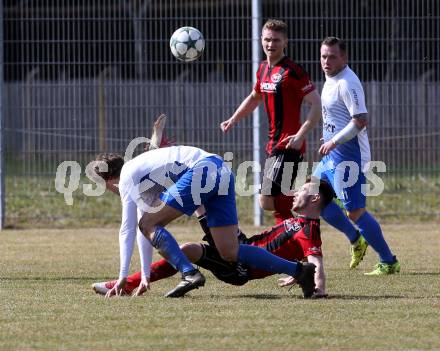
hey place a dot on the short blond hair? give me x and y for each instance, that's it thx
(276, 25)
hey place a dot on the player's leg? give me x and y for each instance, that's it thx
(332, 213)
(158, 270)
(281, 170)
(222, 222)
(354, 202)
(230, 273)
(153, 225)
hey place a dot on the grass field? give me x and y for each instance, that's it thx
(47, 304)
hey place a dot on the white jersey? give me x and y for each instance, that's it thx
(141, 181)
(342, 98)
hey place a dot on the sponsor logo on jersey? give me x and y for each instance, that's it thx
(328, 127)
(355, 97)
(292, 226)
(276, 77)
(315, 249)
(268, 87)
(307, 87)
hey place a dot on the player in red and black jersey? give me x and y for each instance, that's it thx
(296, 238)
(282, 85)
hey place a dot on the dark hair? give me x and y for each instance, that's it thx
(114, 163)
(326, 192)
(330, 41)
(276, 25)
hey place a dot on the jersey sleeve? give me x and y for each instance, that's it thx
(304, 85)
(127, 232)
(258, 81)
(311, 243)
(353, 96)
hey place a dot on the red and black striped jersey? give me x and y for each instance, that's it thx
(293, 239)
(282, 88)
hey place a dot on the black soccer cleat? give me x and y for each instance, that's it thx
(188, 283)
(306, 279)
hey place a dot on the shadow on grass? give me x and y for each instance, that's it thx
(366, 297)
(260, 296)
(54, 279)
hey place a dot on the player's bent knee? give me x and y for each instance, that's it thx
(229, 255)
(193, 251)
(146, 226)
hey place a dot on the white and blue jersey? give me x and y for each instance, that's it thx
(184, 178)
(342, 98)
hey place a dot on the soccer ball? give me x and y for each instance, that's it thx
(187, 44)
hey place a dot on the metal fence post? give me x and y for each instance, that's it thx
(256, 58)
(2, 134)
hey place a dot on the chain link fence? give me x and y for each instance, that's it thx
(83, 77)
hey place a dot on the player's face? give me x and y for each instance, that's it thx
(332, 60)
(273, 44)
(302, 197)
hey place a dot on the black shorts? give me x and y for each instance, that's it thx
(273, 182)
(231, 273)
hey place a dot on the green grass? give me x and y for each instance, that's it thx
(46, 302)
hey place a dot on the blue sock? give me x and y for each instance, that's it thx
(372, 233)
(334, 216)
(168, 247)
(259, 258)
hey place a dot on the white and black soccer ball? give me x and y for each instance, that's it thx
(187, 44)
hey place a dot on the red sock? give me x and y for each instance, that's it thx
(283, 208)
(158, 270)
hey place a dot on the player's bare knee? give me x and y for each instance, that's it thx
(193, 251)
(146, 227)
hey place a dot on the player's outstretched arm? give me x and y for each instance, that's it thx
(246, 107)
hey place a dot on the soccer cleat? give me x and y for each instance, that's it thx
(306, 279)
(385, 269)
(358, 250)
(188, 283)
(103, 287)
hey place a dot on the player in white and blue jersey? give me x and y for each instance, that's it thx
(185, 178)
(346, 151)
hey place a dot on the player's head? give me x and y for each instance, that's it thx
(114, 164)
(274, 39)
(333, 56)
(312, 197)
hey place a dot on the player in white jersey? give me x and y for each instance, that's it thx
(346, 151)
(186, 178)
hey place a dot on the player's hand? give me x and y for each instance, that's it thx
(292, 142)
(287, 281)
(118, 289)
(226, 125)
(327, 147)
(143, 286)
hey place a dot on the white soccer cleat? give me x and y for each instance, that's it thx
(100, 288)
